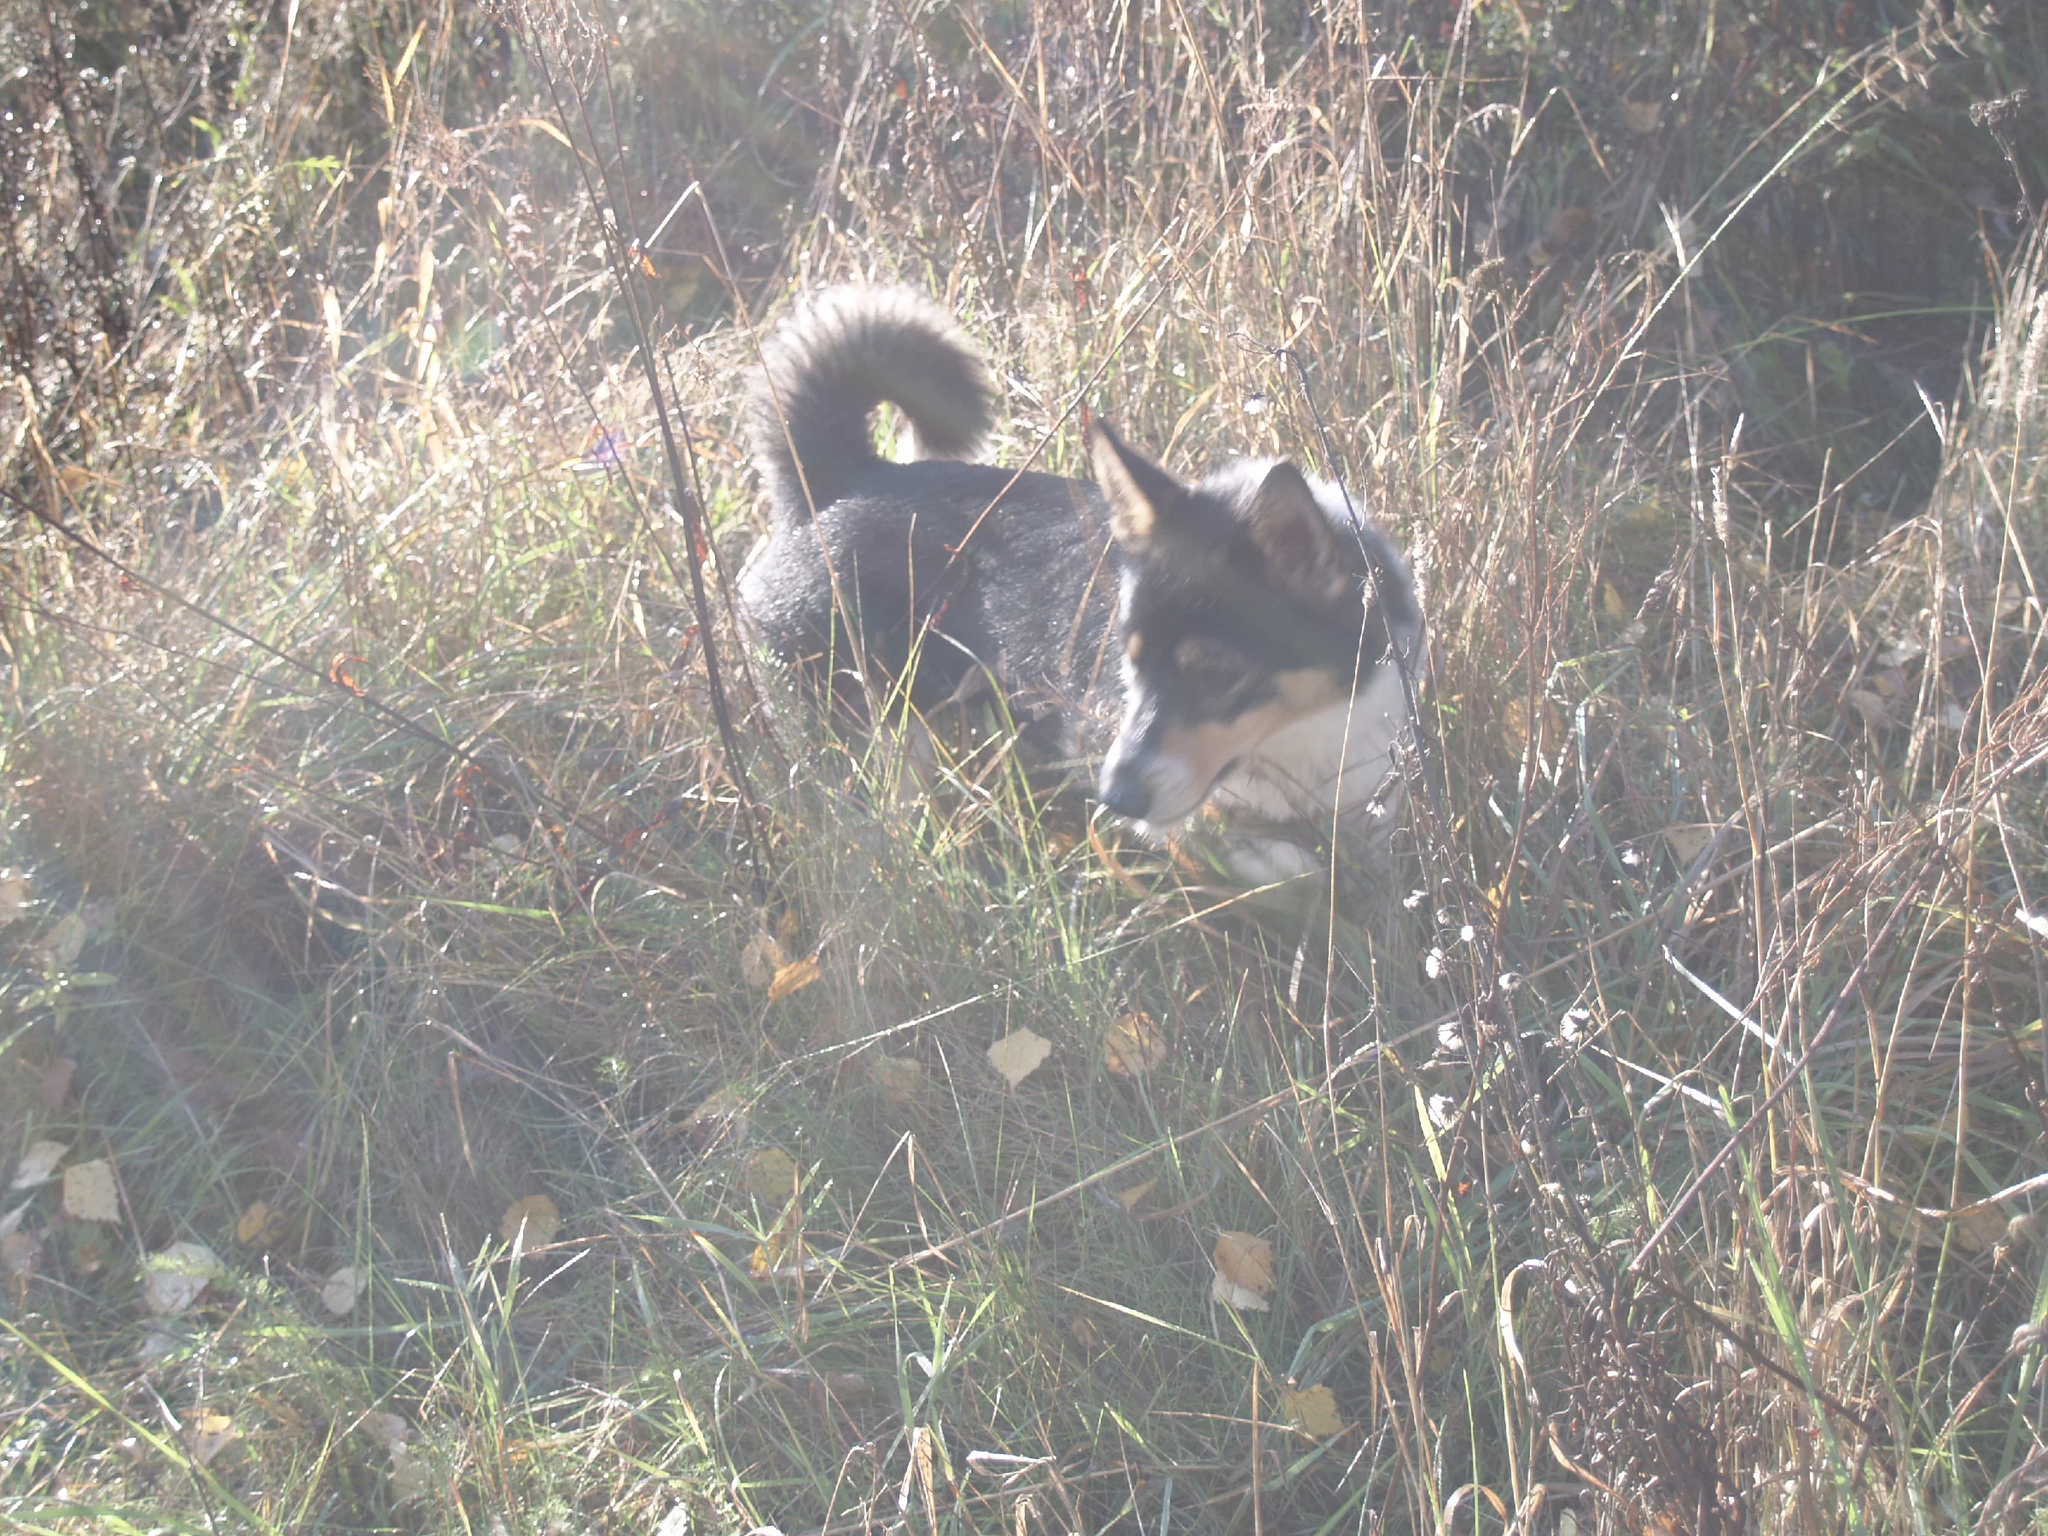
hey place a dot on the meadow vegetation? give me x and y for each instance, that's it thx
(488, 1092)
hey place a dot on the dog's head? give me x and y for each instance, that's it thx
(1249, 601)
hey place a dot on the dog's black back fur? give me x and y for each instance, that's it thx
(925, 557)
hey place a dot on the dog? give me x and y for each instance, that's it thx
(1252, 635)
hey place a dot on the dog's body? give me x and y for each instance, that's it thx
(1262, 624)
(937, 577)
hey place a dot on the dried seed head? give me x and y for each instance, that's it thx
(2030, 357)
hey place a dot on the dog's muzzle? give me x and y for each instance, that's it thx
(1146, 783)
(1123, 788)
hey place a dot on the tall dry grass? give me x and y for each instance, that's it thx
(1653, 1145)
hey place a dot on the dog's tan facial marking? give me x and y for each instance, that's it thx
(1189, 757)
(1308, 690)
(1134, 647)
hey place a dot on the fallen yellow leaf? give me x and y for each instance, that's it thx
(793, 977)
(1244, 1271)
(89, 1193)
(761, 960)
(1134, 1046)
(769, 1254)
(1129, 1198)
(261, 1225)
(208, 1435)
(1688, 841)
(771, 1176)
(530, 1223)
(1981, 1231)
(1019, 1054)
(1313, 1409)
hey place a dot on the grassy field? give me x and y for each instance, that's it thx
(452, 1082)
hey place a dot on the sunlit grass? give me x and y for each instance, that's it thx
(379, 861)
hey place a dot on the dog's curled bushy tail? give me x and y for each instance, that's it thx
(830, 364)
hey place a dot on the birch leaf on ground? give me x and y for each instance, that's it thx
(771, 1176)
(339, 1294)
(409, 1471)
(761, 960)
(1313, 1409)
(209, 1434)
(38, 1164)
(530, 1223)
(173, 1279)
(89, 1193)
(261, 1224)
(1134, 1047)
(1019, 1054)
(1244, 1272)
(1688, 841)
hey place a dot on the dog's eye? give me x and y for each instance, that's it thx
(1212, 665)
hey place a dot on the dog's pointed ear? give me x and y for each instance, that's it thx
(1141, 495)
(1289, 527)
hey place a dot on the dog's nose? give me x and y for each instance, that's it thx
(1125, 794)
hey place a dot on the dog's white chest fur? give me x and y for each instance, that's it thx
(1339, 762)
